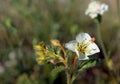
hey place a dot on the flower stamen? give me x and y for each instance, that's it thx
(82, 48)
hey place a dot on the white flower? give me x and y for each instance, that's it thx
(12, 55)
(11, 63)
(96, 8)
(2, 69)
(83, 46)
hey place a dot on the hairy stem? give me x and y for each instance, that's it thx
(113, 72)
(68, 72)
(101, 41)
(69, 78)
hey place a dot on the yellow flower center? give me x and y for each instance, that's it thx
(82, 47)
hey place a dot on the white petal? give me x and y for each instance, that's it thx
(81, 56)
(93, 15)
(83, 38)
(101, 12)
(104, 7)
(71, 45)
(92, 49)
(86, 12)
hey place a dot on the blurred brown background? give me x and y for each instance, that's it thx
(24, 23)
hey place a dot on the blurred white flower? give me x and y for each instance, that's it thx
(96, 8)
(83, 46)
(10, 63)
(12, 55)
(2, 69)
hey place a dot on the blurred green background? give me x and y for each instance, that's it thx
(24, 23)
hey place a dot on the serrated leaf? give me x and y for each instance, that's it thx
(87, 64)
(57, 70)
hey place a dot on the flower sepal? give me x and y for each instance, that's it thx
(87, 64)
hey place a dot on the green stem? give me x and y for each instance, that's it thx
(113, 72)
(101, 41)
(69, 76)
(69, 79)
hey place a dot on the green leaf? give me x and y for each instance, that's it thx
(8, 23)
(57, 70)
(73, 29)
(23, 79)
(87, 64)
